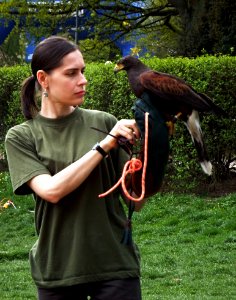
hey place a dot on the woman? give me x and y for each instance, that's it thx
(52, 155)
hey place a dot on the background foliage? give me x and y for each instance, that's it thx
(212, 75)
(158, 27)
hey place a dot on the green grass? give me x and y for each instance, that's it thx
(187, 245)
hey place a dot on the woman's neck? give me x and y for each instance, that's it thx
(55, 111)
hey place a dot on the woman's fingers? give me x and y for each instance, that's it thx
(126, 128)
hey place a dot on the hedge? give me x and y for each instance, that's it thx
(212, 75)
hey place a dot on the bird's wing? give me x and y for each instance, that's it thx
(172, 89)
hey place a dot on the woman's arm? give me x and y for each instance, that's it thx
(53, 188)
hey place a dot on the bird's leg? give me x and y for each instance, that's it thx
(171, 128)
(171, 123)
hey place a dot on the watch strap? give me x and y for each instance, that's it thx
(98, 148)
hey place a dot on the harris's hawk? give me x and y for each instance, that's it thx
(173, 97)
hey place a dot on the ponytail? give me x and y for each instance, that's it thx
(28, 101)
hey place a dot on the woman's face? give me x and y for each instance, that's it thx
(66, 84)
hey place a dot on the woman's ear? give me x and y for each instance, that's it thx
(42, 79)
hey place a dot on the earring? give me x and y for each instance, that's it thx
(45, 93)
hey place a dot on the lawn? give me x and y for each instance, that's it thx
(187, 245)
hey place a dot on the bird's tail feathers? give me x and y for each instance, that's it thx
(214, 108)
(206, 166)
(193, 125)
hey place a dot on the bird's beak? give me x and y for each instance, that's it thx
(118, 68)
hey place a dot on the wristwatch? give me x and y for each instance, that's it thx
(98, 148)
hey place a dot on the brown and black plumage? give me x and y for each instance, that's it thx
(172, 96)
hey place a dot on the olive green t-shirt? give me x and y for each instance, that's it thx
(79, 237)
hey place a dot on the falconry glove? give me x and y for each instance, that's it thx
(158, 147)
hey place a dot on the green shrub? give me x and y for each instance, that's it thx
(212, 75)
(107, 91)
(11, 79)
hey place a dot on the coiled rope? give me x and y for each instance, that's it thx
(132, 166)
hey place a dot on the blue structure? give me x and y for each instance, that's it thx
(5, 29)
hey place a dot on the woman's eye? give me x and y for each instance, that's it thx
(75, 72)
(71, 73)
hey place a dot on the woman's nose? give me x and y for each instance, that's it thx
(82, 80)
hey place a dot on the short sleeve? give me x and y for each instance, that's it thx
(22, 158)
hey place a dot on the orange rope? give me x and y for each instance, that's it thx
(132, 166)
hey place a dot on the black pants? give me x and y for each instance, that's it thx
(124, 289)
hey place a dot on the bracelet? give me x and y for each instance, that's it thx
(98, 148)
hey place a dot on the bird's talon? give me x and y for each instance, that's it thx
(176, 117)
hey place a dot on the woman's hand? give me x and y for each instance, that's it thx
(124, 128)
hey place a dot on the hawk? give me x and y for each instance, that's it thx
(174, 98)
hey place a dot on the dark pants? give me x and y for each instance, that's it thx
(124, 289)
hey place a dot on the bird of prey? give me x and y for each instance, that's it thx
(174, 98)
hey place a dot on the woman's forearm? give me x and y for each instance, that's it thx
(53, 188)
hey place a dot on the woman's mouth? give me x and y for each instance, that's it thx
(80, 94)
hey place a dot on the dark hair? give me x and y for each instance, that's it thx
(47, 56)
